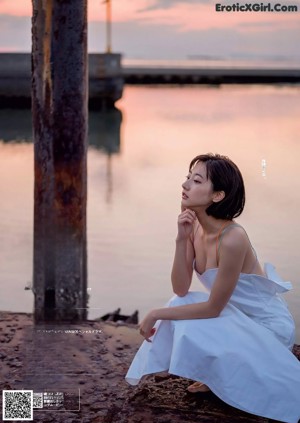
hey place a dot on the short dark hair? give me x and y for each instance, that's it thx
(225, 176)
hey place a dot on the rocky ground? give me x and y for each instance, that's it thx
(89, 365)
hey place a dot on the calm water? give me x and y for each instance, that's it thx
(137, 160)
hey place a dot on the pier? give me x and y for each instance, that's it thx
(209, 75)
(107, 77)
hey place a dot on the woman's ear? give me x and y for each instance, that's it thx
(218, 196)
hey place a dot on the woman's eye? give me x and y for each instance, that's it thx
(197, 182)
(187, 177)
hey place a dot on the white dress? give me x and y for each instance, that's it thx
(244, 355)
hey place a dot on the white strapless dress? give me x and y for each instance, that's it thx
(244, 355)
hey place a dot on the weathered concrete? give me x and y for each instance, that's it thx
(105, 79)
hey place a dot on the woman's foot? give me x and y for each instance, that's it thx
(198, 387)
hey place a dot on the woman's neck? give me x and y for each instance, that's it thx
(210, 225)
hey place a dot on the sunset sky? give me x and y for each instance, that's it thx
(172, 29)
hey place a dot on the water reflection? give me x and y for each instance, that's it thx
(105, 131)
(104, 128)
(104, 134)
(143, 160)
(15, 125)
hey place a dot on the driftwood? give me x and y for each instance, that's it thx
(115, 316)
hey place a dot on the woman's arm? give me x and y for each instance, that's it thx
(232, 255)
(182, 270)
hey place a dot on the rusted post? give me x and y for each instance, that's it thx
(59, 109)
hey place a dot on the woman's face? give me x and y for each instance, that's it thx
(197, 188)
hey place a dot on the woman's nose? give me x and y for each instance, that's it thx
(185, 184)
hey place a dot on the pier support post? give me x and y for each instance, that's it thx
(59, 112)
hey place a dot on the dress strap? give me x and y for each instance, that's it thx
(219, 239)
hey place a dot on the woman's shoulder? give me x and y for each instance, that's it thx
(234, 236)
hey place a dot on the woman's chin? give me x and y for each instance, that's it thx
(186, 205)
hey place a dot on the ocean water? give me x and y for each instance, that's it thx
(137, 159)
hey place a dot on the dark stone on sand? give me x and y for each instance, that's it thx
(296, 351)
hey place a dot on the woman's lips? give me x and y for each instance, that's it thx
(184, 196)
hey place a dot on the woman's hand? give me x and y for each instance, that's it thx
(185, 224)
(146, 326)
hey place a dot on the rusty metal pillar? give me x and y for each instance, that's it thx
(59, 113)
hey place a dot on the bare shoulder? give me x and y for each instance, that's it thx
(235, 238)
(232, 251)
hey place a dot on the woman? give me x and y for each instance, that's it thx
(236, 339)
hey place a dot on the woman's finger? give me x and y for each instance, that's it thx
(188, 213)
(146, 337)
(186, 219)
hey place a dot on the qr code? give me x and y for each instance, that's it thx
(38, 400)
(17, 405)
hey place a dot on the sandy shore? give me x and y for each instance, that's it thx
(87, 363)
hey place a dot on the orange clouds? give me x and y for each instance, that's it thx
(186, 16)
(122, 10)
(196, 17)
(16, 7)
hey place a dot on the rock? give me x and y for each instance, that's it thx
(296, 351)
(94, 407)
